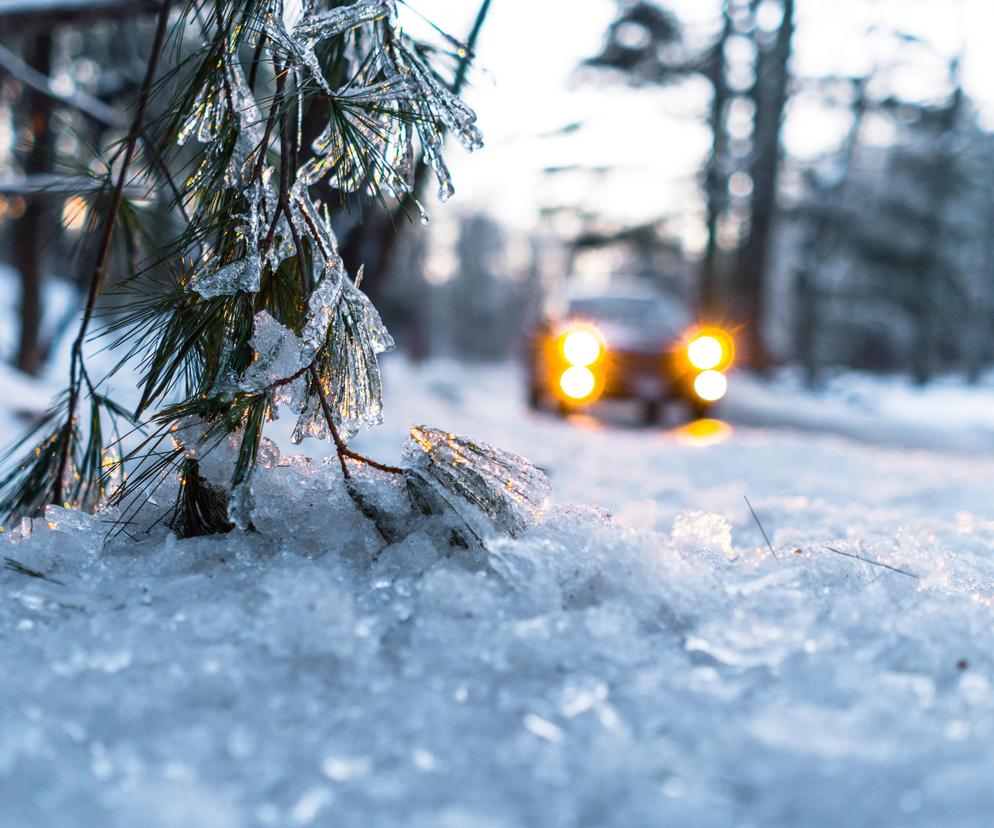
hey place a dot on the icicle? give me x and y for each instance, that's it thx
(359, 336)
(280, 353)
(211, 109)
(251, 125)
(245, 274)
(355, 388)
(322, 305)
(206, 118)
(311, 422)
(323, 25)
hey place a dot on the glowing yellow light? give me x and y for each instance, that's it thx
(577, 382)
(710, 385)
(74, 213)
(705, 352)
(581, 347)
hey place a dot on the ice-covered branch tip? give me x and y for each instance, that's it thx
(510, 490)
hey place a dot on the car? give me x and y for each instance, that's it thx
(634, 344)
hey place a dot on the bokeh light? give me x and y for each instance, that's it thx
(577, 382)
(710, 386)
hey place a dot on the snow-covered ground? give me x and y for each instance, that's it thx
(657, 667)
(945, 414)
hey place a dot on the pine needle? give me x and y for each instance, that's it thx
(21, 569)
(755, 517)
(872, 562)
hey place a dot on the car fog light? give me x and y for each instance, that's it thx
(710, 386)
(577, 382)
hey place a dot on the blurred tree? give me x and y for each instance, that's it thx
(49, 109)
(895, 270)
(823, 218)
(35, 231)
(718, 166)
(490, 289)
(645, 45)
(768, 95)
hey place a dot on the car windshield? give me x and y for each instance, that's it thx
(643, 313)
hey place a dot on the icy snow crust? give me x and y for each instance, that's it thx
(584, 674)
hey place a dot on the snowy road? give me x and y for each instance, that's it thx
(659, 669)
(805, 482)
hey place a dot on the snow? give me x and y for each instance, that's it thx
(657, 667)
(945, 414)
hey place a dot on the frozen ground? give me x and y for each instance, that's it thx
(658, 668)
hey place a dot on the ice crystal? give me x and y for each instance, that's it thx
(187, 436)
(322, 304)
(359, 336)
(244, 274)
(279, 354)
(430, 103)
(220, 98)
(511, 491)
(296, 33)
(354, 389)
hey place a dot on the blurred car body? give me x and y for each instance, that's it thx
(625, 343)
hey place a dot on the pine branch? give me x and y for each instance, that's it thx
(340, 447)
(257, 310)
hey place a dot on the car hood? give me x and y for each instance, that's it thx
(625, 338)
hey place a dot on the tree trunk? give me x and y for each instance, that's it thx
(928, 308)
(980, 348)
(769, 95)
(716, 172)
(33, 231)
(822, 236)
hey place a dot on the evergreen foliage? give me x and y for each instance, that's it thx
(256, 311)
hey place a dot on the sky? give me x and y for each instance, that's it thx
(527, 87)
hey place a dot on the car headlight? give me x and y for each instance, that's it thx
(582, 346)
(709, 349)
(706, 352)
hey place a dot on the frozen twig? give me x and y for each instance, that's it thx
(343, 450)
(87, 104)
